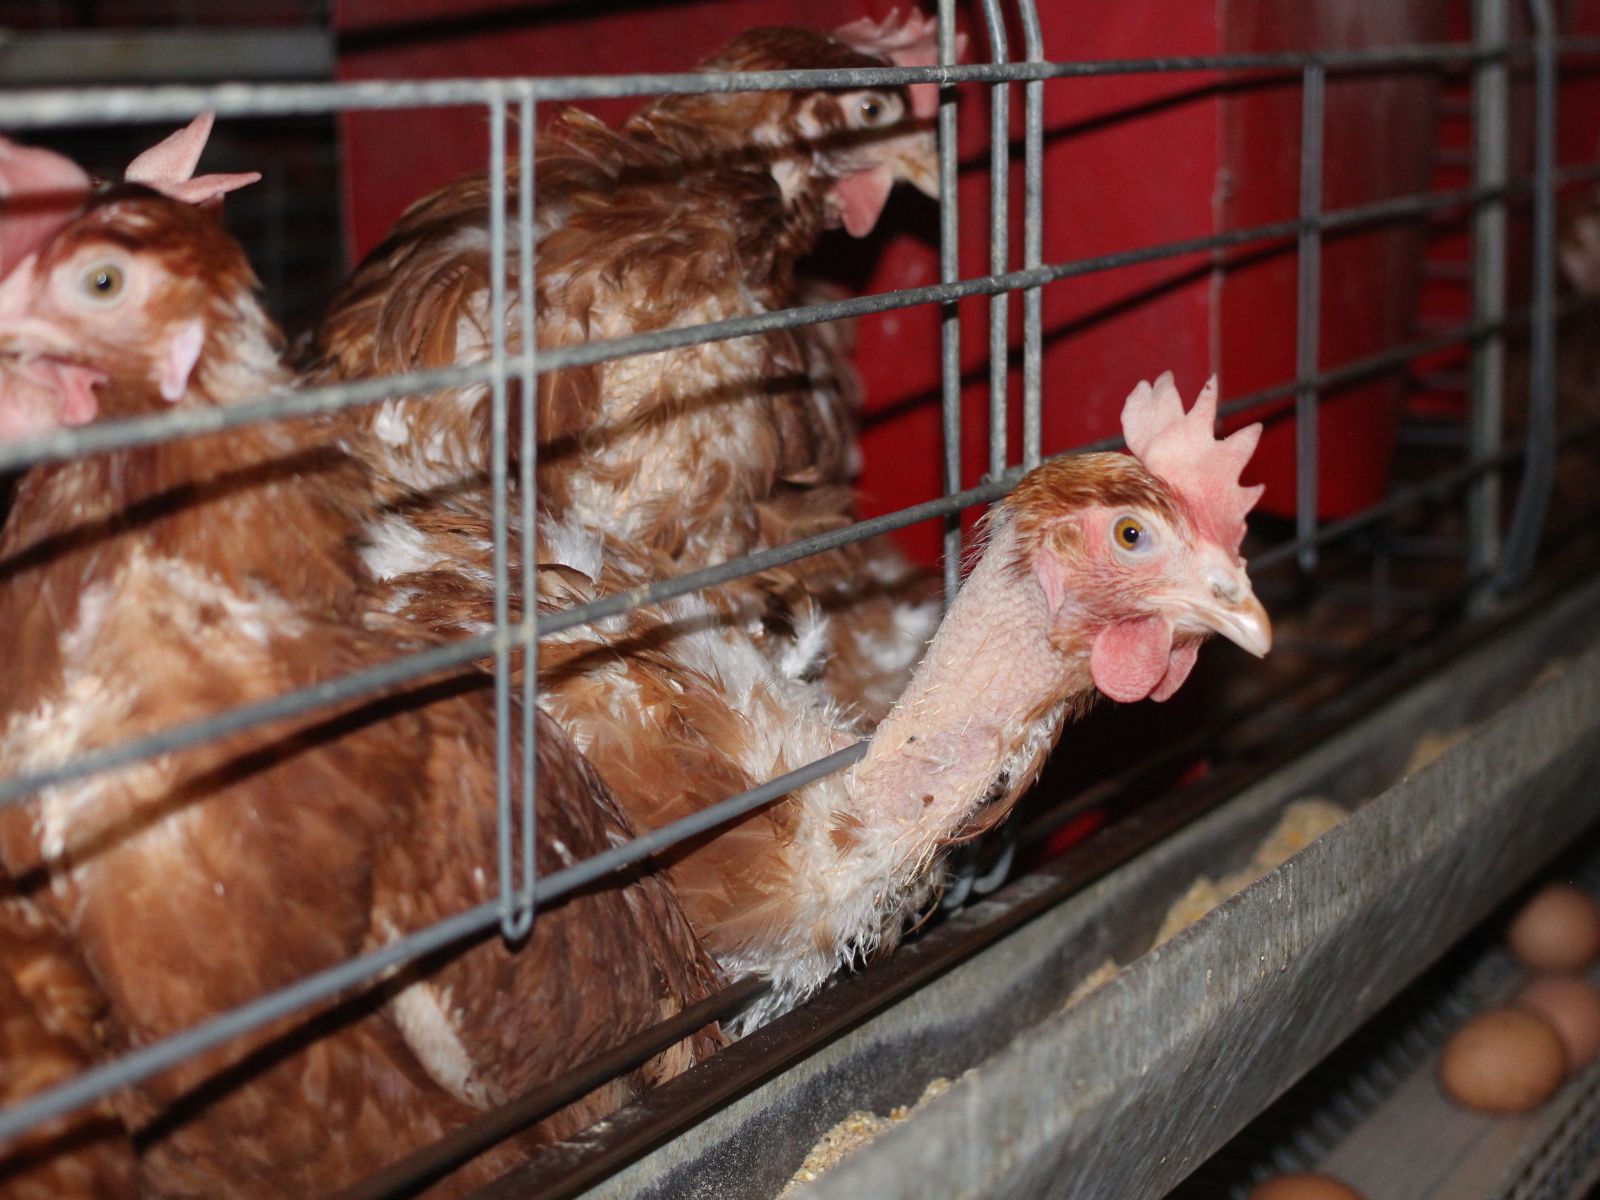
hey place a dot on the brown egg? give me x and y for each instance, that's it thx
(1558, 930)
(1572, 1005)
(1304, 1186)
(1505, 1060)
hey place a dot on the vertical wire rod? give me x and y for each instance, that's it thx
(1032, 240)
(499, 434)
(1490, 77)
(999, 240)
(950, 323)
(520, 921)
(1538, 473)
(1309, 311)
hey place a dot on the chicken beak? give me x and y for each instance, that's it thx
(918, 163)
(1243, 622)
(1226, 603)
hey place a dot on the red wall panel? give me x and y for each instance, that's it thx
(1380, 131)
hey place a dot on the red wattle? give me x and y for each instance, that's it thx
(862, 197)
(1130, 659)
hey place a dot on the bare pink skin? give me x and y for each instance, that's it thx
(1019, 648)
(973, 706)
(1129, 659)
(1062, 604)
(1134, 659)
(38, 189)
(43, 394)
(169, 166)
(1181, 449)
(861, 199)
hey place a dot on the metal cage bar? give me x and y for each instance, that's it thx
(514, 907)
(38, 107)
(999, 240)
(1490, 96)
(1308, 312)
(528, 464)
(950, 319)
(1032, 240)
(515, 920)
(1538, 472)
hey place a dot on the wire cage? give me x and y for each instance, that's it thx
(1453, 518)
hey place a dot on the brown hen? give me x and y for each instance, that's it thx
(161, 584)
(698, 209)
(50, 1011)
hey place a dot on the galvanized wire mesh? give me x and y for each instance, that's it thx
(1489, 58)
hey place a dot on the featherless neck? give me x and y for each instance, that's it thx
(976, 721)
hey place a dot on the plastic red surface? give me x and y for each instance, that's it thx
(1380, 132)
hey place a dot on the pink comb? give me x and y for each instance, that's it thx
(169, 165)
(1183, 451)
(909, 41)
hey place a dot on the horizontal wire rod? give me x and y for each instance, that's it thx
(194, 422)
(36, 107)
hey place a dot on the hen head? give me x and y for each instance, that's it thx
(1138, 557)
(839, 150)
(120, 303)
(39, 192)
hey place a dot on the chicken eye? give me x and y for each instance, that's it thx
(875, 109)
(103, 283)
(1129, 534)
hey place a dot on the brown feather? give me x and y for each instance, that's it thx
(50, 1011)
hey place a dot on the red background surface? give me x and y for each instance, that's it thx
(1131, 161)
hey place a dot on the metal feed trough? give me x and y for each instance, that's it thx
(1121, 1095)
(1117, 1098)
